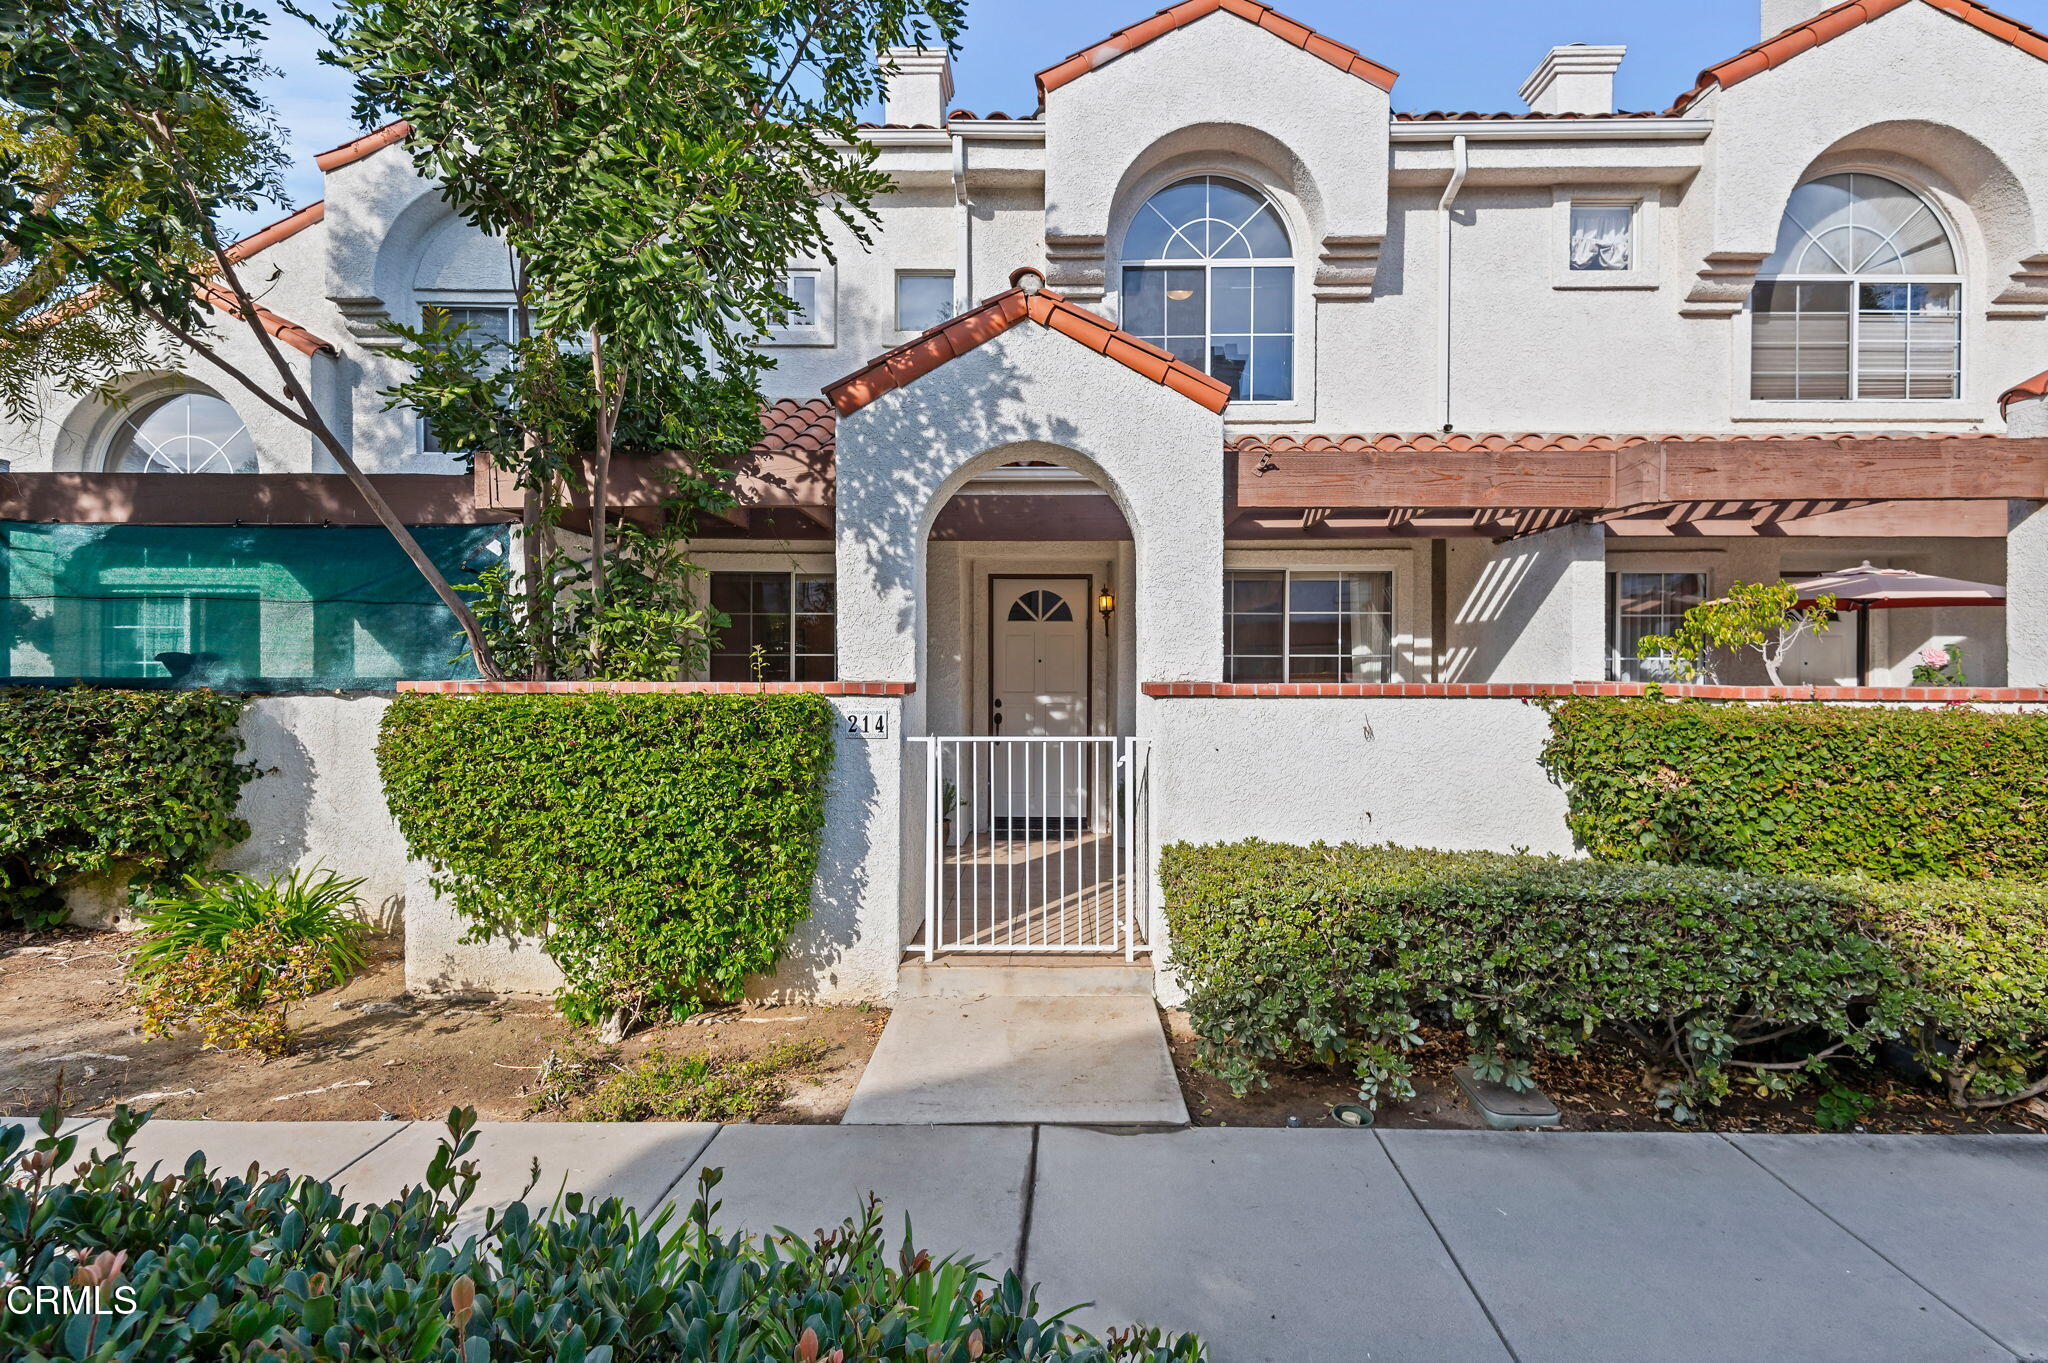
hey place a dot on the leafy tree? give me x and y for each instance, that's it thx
(1764, 617)
(654, 166)
(134, 126)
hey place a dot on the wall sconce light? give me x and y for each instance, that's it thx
(1105, 606)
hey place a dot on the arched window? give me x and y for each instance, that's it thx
(1208, 274)
(1861, 301)
(183, 433)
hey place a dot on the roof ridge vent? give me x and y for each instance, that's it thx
(1577, 78)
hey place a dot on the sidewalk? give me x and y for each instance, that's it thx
(1424, 1245)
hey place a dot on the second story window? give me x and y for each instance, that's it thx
(193, 432)
(924, 298)
(1208, 274)
(1862, 301)
(488, 325)
(1603, 235)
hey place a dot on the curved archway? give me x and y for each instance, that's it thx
(99, 435)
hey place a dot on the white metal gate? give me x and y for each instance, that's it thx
(1036, 845)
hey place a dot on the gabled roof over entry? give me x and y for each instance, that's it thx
(951, 339)
(1833, 23)
(1180, 16)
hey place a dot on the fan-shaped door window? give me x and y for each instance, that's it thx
(1861, 301)
(1041, 605)
(1208, 274)
(185, 433)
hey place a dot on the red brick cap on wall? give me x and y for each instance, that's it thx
(951, 339)
(1833, 23)
(1135, 36)
(569, 688)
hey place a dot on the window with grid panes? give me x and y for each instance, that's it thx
(782, 627)
(1642, 604)
(1308, 626)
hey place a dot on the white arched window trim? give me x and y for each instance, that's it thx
(1827, 324)
(186, 428)
(1274, 341)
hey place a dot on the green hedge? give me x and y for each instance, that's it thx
(660, 846)
(198, 1263)
(1333, 954)
(138, 784)
(1977, 954)
(1892, 794)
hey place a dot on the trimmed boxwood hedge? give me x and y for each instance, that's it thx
(1894, 794)
(140, 784)
(1334, 954)
(660, 846)
(1976, 953)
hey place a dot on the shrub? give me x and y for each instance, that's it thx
(1892, 794)
(112, 783)
(661, 847)
(1977, 954)
(1333, 954)
(693, 1086)
(230, 955)
(196, 1264)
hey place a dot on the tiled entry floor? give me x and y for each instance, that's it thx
(1041, 892)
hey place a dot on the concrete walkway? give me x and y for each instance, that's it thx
(1424, 1245)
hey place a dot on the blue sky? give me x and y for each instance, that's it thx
(1452, 54)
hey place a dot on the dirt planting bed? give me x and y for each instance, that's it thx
(369, 1049)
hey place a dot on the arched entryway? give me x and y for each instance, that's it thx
(1034, 780)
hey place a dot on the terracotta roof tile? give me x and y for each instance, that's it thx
(1462, 116)
(291, 333)
(1134, 36)
(797, 426)
(2025, 389)
(288, 226)
(1833, 23)
(348, 153)
(907, 363)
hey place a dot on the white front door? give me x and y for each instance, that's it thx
(1038, 688)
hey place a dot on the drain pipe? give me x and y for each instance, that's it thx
(963, 230)
(1460, 165)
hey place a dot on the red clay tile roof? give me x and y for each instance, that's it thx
(291, 333)
(1811, 33)
(1502, 442)
(797, 426)
(1135, 36)
(348, 153)
(951, 339)
(289, 226)
(2036, 387)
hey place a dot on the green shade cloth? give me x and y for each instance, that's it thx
(269, 608)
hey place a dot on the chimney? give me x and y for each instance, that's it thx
(1779, 15)
(1573, 80)
(917, 85)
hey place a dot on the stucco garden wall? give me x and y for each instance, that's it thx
(320, 802)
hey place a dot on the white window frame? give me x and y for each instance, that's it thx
(1642, 203)
(1957, 408)
(511, 311)
(1288, 572)
(1657, 565)
(1300, 350)
(823, 327)
(953, 295)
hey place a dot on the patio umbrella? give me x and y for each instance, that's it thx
(1866, 588)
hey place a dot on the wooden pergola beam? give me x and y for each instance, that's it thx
(1799, 469)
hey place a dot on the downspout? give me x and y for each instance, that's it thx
(963, 230)
(1459, 166)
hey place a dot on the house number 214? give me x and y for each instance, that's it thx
(867, 724)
